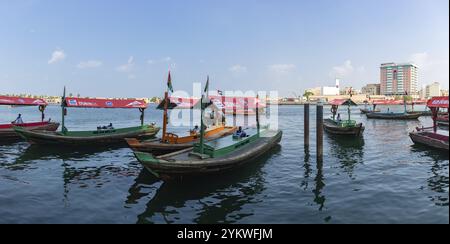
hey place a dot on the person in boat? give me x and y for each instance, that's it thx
(339, 117)
(110, 126)
(18, 120)
(194, 131)
(240, 132)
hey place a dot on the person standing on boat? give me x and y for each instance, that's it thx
(18, 120)
(339, 117)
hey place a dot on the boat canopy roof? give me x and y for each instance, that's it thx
(220, 102)
(179, 102)
(104, 103)
(438, 102)
(387, 102)
(22, 101)
(340, 102)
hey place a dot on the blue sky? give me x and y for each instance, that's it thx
(125, 48)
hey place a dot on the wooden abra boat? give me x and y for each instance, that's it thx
(213, 156)
(171, 142)
(7, 131)
(103, 135)
(175, 143)
(405, 115)
(219, 155)
(397, 116)
(429, 136)
(342, 127)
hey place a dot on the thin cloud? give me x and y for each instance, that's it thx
(128, 66)
(282, 68)
(341, 71)
(57, 56)
(236, 69)
(89, 64)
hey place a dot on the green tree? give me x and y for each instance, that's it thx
(307, 94)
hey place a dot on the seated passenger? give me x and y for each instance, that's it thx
(194, 131)
(110, 126)
(18, 120)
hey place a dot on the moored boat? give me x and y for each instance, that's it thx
(157, 147)
(339, 126)
(216, 156)
(395, 116)
(405, 115)
(219, 155)
(104, 135)
(7, 131)
(430, 136)
(170, 142)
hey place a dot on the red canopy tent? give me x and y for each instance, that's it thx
(435, 104)
(25, 101)
(104, 103)
(22, 101)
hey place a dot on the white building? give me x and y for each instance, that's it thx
(331, 90)
(433, 90)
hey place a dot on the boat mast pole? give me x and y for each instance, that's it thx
(348, 110)
(257, 113)
(404, 102)
(63, 109)
(202, 129)
(166, 101)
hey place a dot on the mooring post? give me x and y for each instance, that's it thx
(319, 131)
(306, 129)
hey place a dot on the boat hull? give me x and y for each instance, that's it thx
(394, 116)
(157, 147)
(168, 169)
(331, 127)
(116, 136)
(430, 139)
(366, 111)
(8, 133)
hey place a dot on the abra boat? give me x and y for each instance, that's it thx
(405, 115)
(430, 136)
(442, 121)
(366, 108)
(342, 127)
(170, 142)
(214, 156)
(395, 116)
(103, 135)
(219, 155)
(7, 131)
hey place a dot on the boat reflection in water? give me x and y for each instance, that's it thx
(209, 199)
(348, 151)
(438, 182)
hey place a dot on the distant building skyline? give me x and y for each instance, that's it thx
(398, 78)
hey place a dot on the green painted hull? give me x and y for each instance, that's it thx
(81, 138)
(188, 163)
(332, 127)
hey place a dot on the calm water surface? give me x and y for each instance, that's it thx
(381, 178)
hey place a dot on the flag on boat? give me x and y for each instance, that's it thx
(207, 85)
(169, 83)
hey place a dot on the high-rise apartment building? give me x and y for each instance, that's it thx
(396, 79)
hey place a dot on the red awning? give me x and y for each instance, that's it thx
(438, 102)
(104, 103)
(219, 101)
(339, 102)
(387, 102)
(22, 101)
(241, 102)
